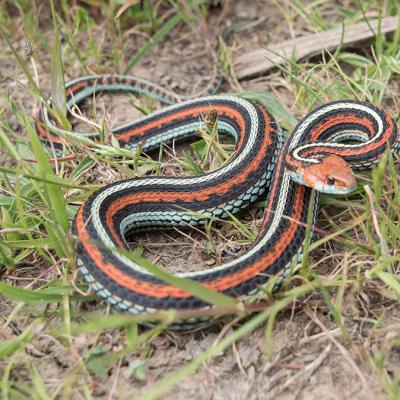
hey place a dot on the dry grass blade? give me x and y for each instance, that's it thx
(57, 71)
(344, 352)
(124, 7)
(302, 376)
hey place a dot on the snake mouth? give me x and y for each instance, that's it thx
(329, 189)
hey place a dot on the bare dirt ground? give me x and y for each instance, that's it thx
(311, 357)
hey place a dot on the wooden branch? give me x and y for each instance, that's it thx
(257, 62)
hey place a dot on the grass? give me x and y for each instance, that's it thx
(354, 259)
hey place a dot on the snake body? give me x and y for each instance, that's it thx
(317, 153)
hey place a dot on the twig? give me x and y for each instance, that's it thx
(342, 350)
(305, 374)
(308, 339)
(257, 62)
(371, 198)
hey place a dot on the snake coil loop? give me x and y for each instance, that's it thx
(317, 154)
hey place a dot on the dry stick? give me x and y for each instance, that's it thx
(305, 374)
(54, 160)
(257, 62)
(45, 272)
(339, 347)
(256, 386)
(238, 360)
(371, 199)
(115, 381)
(308, 339)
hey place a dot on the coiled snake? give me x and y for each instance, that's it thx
(320, 153)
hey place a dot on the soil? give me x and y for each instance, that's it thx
(306, 362)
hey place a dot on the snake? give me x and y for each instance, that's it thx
(320, 155)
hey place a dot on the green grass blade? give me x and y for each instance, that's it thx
(28, 296)
(191, 286)
(42, 296)
(272, 104)
(243, 330)
(164, 30)
(391, 281)
(57, 76)
(54, 192)
(9, 347)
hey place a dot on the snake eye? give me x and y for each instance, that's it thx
(330, 180)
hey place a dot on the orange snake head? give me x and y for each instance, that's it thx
(332, 174)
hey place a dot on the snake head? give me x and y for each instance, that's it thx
(332, 174)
